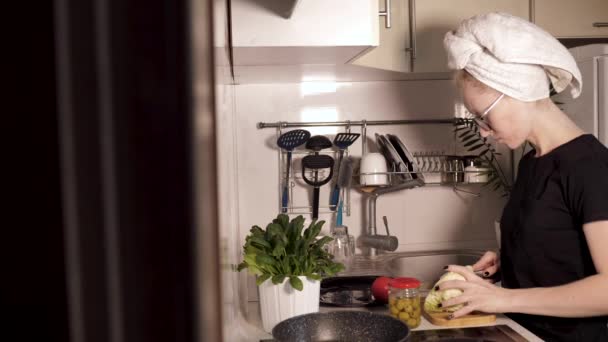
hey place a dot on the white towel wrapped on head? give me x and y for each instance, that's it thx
(513, 56)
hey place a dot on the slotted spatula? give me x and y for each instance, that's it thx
(288, 141)
(342, 141)
(315, 163)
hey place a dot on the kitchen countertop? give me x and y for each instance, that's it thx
(363, 266)
(255, 319)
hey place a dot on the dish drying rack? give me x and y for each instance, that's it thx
(435, 169)
(431, 164)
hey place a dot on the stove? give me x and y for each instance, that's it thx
(494, 333)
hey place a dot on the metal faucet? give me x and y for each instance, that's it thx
(383, 242)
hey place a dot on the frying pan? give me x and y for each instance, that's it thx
(345, 326)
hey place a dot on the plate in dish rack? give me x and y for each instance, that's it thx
(405, 154)
(397, 163)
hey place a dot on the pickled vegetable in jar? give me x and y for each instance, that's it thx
(404, 300)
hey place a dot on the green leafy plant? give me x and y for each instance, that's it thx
(286, 250)
(468, 133)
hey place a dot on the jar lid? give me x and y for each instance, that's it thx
(404, 283)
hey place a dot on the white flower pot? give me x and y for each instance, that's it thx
(280, 302)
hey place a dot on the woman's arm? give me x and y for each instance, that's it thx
(582, 298)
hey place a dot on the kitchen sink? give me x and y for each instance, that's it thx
(428, 266)
(425, 265)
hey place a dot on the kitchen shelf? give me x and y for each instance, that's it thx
(432, 165)
(392, 175)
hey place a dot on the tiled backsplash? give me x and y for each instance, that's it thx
(432, 217)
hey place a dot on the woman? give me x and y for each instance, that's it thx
(553, 259)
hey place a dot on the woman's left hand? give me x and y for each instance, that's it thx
(478, 294)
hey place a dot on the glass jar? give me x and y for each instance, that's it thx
(404, 300)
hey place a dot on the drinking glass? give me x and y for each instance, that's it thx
(343, 246)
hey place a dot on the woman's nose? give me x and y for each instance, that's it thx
(484, 133)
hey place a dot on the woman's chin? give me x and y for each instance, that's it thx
(513, 145)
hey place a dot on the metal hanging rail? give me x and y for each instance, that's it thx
(358, 123)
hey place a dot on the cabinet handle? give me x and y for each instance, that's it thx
(532, 10)
(412, 48)
(601, 24)
(387, 13)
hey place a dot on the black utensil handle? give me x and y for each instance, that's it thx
(285, 198)
(315, 203)
(335, 195)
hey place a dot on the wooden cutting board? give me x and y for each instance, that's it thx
(474, 318)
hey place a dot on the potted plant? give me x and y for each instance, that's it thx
(289, 263)
(468, 133)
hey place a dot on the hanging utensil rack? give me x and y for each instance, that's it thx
(285, 124)
(294, 177)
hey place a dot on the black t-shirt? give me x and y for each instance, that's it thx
(542, 239)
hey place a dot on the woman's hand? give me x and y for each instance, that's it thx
(478, 294)
(488, 266)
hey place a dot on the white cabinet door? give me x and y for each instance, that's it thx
(318, 31)
(572, 19)
(392, 53)
(436, 17)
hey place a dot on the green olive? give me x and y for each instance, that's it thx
(394, 310)
(404, 316)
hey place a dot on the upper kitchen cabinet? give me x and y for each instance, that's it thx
(428, 21)
(316, 32)
(394, 49)
(572, 19)
(434, 18)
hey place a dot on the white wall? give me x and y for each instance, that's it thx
(233, 285)
(433, 217)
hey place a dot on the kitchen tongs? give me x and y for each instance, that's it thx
(311, 165)
(342, 141)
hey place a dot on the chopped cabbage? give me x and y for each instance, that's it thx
(435, 297)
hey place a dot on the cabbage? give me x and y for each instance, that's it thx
(435, 297)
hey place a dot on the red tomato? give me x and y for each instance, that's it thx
(380, 289)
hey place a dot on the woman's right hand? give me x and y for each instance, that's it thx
(488, 266)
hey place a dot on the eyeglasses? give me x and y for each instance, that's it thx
(480, 121)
